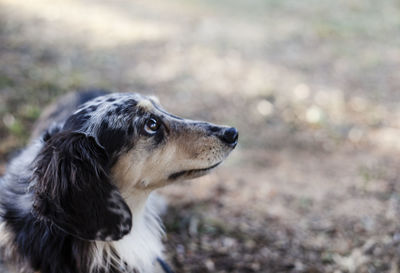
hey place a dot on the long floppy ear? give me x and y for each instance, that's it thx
(73, 189)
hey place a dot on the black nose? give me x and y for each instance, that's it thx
(230, 136)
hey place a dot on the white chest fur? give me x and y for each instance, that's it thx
(140, 248)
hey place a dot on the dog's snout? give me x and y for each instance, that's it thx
(230, 136)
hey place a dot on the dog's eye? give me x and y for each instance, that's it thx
(151, 126)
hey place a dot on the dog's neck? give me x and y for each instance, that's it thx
(137, 200)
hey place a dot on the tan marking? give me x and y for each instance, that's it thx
(154, 99)
(145, 105)
(3, 234)
(8, 251)
(6, 240)
(187, 147)
(147, 169)
(139, 169)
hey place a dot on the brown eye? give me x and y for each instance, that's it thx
(151, 126)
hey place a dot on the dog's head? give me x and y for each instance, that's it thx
(114, 145)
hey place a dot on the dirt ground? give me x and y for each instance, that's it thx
(313, 87)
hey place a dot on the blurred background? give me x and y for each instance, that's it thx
(313, 86)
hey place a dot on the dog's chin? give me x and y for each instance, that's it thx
(193, 173)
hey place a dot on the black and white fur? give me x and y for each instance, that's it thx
(78, 199)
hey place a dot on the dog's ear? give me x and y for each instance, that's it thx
(74, 192)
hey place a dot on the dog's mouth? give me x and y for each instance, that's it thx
(192, 173)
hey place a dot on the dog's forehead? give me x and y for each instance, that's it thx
(114, 99)
(118, 103)
(115, 109)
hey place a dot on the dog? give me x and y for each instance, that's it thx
(79, 198)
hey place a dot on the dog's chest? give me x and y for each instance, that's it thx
(139, 249)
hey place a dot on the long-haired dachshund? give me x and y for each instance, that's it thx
(78, 198)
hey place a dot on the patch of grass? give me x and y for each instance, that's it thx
(372, 173)
(6, 81)
(17, 129)
(31, 112)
